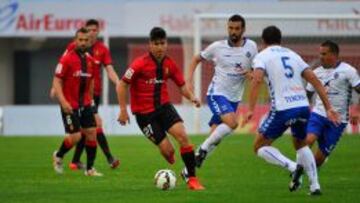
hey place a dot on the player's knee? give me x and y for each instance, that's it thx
(310, 139)
(75, 137)
(90, 133)
(234, 125)
(183, 140)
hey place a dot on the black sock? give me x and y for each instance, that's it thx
(64, 148)
(79, 149)
(188, 156)
(90, 147)
(104, 145)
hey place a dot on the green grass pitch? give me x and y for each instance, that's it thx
(232, 174)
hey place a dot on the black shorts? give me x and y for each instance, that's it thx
(154, 125)
(80, 118)
(96, 104)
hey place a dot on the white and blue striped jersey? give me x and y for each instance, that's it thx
(283, 69)
(230, 65)
(338, 83)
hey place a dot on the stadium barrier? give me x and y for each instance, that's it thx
(45, 120)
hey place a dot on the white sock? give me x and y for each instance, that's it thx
(306, 158)
(215, 137)
(274, 156)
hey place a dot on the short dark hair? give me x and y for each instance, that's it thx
(92, 22)
(271, 35)
(81, 30)
(333, 47)
(157, 33)
(237, 18)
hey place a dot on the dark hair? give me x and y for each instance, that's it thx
(333, 47)
(157, 33)
(237, 18)
(271, 35)
(81, 30)
(92, 22)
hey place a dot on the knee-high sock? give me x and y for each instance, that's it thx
(79, 149)
(215, 137)
(306, 158)
(90, 147)
(188, 156)
(274, 156)
(103, 144)
(65, 147)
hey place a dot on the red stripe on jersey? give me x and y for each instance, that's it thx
(71, 72)
(148, 82)
(100, 54)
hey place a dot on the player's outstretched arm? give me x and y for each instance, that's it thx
(189, 95)
(190, 77)
(58, 85)
(112, 74)
(258, 75)
(122, 91)
(310, 77)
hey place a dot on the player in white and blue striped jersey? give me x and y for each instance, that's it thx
(232, 59)
(284, 71)
(339, 78)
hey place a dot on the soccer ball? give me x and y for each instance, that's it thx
(165, 179)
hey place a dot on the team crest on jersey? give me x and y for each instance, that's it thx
(248, 54)
(129, 73)
(336, 75)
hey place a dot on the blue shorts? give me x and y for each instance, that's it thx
(220, 105)
(277, 122)
(328, 134)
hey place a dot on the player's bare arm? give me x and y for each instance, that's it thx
(190, 79)
(58, 85)
(309, 76)
(52, 93)
(112, 74)
(122, 92)
(258, 76)
(189, 95)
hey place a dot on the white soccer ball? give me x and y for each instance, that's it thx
(165, 179)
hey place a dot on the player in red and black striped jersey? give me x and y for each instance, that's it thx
(102, 58)
(73, 84)
(147, 77)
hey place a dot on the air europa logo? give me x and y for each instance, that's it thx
(8, 14)
(34, 22)
(49, 22)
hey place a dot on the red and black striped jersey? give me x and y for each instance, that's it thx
(102, 57)
(76, 71)
(148, 82)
